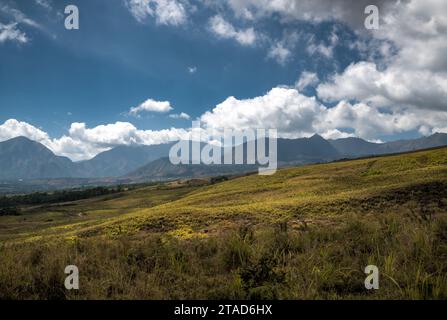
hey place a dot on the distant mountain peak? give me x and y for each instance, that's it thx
(438, 135)
(22, 158)
(21, 139)
(25, 144)
(316, 136)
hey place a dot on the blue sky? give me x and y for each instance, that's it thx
(195, 55)
(114, 62)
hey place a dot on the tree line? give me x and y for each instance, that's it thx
(9, 204)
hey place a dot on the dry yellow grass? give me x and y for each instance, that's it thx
(306, 232)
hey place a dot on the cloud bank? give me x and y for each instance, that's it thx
(81, 142)
(286, 109)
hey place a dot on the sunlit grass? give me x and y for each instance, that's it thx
(306, 232)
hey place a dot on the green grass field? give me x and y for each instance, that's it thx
(303, 233)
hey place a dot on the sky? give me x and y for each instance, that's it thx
(140, 71)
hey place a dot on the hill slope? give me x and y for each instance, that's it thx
(305, 232)
(290, 151)
(313, 191)
(121, 160)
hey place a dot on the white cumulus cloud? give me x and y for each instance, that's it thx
(151, 105)
(404, 61)
(81, 142)
(12, 128)
(282, 108)
(296, 115)
(224, 29)
(414, 75)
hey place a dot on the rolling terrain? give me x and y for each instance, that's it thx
(305, 232)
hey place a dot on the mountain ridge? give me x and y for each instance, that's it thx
(22, 158)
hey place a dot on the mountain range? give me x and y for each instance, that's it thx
(24, 159)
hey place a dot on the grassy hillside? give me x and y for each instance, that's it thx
(306, 232)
